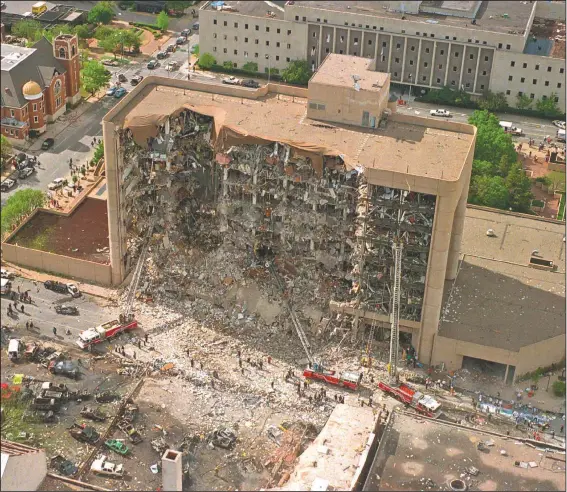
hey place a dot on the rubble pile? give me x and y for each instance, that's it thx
(223, 206)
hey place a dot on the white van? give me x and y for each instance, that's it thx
(509, 127)
(15, 349)
(6, 286)
(561, 135)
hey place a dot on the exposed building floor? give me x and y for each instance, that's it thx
(79, 236)
(417, 454)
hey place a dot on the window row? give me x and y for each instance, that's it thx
(525, 65)
(246, 54)
(256, 41)
(534, 81)
(532, 96)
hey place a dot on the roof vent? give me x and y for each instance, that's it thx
(490, 233)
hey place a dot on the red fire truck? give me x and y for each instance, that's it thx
(104, 332)
(349, 380)
(424, 404)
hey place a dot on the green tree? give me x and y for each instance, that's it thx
(19, 204)
(83, 31)
(556, 180)
(29, 29)
(493, 101)
(178, 6)
(55, 31)
(489, 191)
(227, 65)
(523, 101)
(482, 168)
(519, 189)
(251, 67)
(206, 61)
(504, 166)
(547, 105)
(101, 13)
(99, 152)
(103, 32)
(94, 76)
(558, 388)
(162, 20)
(297, 72)
(491, 141)
(5, 147)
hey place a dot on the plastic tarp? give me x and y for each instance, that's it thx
(225, 136)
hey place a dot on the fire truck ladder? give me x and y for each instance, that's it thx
(127, 314)
(397, 248)
(300, 333)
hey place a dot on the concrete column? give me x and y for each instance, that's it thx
(376, 51)
(447, 64)
(435, 280)
(417, 81)
(347, 42)
(506, 373)
(334, 39)
(361, 52)
(457, 232)
(172, 471)
(462, 66)
(255, 182)
(355, 326)
(432, 63)
(404, 59)
(224, 180)
(320, 45)
(476, 70)
(390, 53)
(111, 159)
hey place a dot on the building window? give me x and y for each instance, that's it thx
(442, 52)
(559, 85)
(397, 60)
(508, 92)
(482, 87)
(255, 55)
(369, 42)
(214, 48)
(544, 98)
(225, 23)
(446, 37)
(245, 40)
(454, 38)
(304, 19)
(236, 25)
(267, 43)
(267, 29)
(523, 79)
(395, 74)
(500, 45)
(214, 35)
(277, 58)
(520, 94)
(381, 28)
(484, 72)
(412, 48)
(224, 50)
(469, 70)
(278, 30)
(341, 39)
(12, 113)
(513, 64)
(245, 26)
(58, 101)
(326, 50)
(278, 44)
(470, 40)
(534, 81)
(471, 57)
(256, 41)
(288, 32)
(62, 53)
(297, 17)
(257, 28)
(384, 44)
(425, 64)
(354, 53)
(508, 46)
(452, 82)
(440, 66)
(36, 119)
(424, 78)
(341, 52)
(537, 67)
(510, 78)
(549, 69)
(34, 107)
(427, 50)
(11, 131)
(356, 41)
(215, 22)
(454, 69)
(236, 52)
(417, 33)
(467, 85)
(438, 80)
(556, 99)
(532, 96)
(561, 70)
(398, 46)
(288, 46)
(411, 62)
(246, 54)
(225, 37)
(525, 65)
(456, 54)
(288, 59)
(546, 83)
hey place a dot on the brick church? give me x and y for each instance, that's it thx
(37, 83)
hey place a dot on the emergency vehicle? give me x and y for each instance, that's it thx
(106, 331)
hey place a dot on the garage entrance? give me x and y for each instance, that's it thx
(485, 366)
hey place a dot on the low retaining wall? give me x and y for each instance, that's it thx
(556, 166)
(66, 266)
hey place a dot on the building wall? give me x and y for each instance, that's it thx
(25, 472)
(249, 39)
(37, 114)
(52, 109)
(519, 72)
(70, 60)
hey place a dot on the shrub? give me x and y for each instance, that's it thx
(21, 203)
(227, 65)
(206, 61)
(559, 388)
(297, 72)
(251, 67)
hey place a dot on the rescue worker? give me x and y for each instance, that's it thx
(54, 330)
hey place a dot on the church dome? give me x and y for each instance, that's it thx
(32, 90)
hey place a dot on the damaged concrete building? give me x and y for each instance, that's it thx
(320, 180)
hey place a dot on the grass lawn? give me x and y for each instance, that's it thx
(561, 213)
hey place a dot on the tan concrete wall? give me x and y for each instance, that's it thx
(345, 105)
(541, 354)
(550, 10)
(61, 265)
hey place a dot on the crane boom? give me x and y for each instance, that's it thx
(397, 249)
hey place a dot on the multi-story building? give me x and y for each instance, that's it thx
(328, 173)
(515, 47)
(37, 84)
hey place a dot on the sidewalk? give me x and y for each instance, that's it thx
(93, 290)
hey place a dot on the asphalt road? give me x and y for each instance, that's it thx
(534, 128)
(42, 312)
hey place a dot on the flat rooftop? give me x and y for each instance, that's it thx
(493, 16)
(345, 437)
(252, 9)
(496, 299)
(11, 55)
(414, 450)
(338, 70)
(423, 151)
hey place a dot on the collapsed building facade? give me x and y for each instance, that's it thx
(320, 181)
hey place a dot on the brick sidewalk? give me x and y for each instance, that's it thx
(93, 290)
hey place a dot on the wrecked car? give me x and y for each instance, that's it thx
(43, 417)
(66, 309)
(102, 467)
(223, 438)
(105, 397)
(130, 431)
(65, 368)
(63, 466)
(86, 434)
(117, 446)
(62, 288)
(93, 414)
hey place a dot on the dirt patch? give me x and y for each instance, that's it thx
(80, 235)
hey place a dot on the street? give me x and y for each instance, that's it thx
(42, 312)
(535, 128)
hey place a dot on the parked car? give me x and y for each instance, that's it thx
(152, 64)
(509, 127)
(181, 40)
(196, 26)
(25, 172)
(122, 78)
(161, 55)
(7, 184)
(559, 124)
(186, 32)
(173, 65)
(171, 48)
(56, 184)
(102, 467)
(232, 80)
(440, 112)
(86, 434)
(6, 274)
(65, 309)
(62, 288)
(111, 91)
(119, 92)
(47, 144)
(21, 157)
(110, 63)
(250, 83)
(65, 368)
(136, 79)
